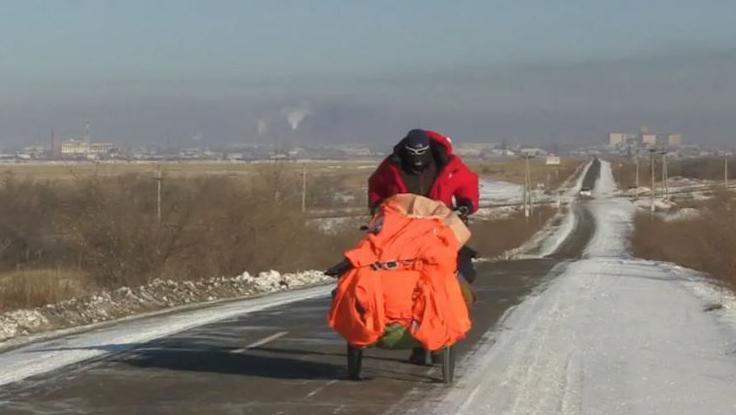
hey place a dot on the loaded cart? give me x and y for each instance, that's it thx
(400, 288)
(355, 357)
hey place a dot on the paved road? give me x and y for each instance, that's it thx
(280, 360)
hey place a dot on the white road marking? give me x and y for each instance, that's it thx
(261, 342)
(45, 356)
(321, 388)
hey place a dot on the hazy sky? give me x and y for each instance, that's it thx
(366, 71)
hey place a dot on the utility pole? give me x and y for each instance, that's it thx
(524, 199)
(665, 177)
(304, 188)
(652, 191)
(527, 189)
(531, 201)
(159, 185)
(725, 170)
(636, 156)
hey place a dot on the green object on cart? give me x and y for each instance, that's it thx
(397, 336)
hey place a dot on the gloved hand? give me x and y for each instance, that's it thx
(463, 211)
(338, 269)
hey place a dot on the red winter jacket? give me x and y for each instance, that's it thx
(454, 178)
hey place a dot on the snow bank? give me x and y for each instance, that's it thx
(45, 356)
(610, 335)
(549, 239)
(501, 212)
(159, 294)
(680, 214)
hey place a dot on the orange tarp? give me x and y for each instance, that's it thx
(416, 240)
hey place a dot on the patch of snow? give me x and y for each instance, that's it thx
(610, 335)
(645, 203)
(680, 214)
(500, 192)
(158, 294)
(45, 356)
(558, 228)
(492, 213)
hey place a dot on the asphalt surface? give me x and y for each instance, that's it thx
(281, 360)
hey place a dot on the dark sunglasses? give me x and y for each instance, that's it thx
(417, 151)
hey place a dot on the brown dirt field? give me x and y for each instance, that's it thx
(66, 229)
(624, 170)
(706, 243)
(513, 171)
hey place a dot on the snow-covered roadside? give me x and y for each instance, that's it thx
(45, 356)
(159, 294)
(610, 335)
(498, 191)
(558, 228)
(505, 198)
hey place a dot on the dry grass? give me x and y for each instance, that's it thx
(107, 228)
(323, 178)
(34, 288)
(65, 232)
(179, 169)
(513, 170)
(624, 171)
(706, 243)
(494, 237)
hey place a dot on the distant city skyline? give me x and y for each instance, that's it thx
(156, 72)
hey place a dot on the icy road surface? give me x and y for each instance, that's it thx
(611, 335)
(51, 355)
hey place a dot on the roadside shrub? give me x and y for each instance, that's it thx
(514, 170)
(706, 243)
(35, 288)
(107, 229)
(624, 171)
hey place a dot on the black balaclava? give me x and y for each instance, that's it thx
(415, 152)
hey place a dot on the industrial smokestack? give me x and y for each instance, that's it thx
(262, 127)
(55, 146)
(295, 116)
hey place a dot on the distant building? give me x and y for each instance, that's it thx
(234, 156)
(623, 140)
(644, 138)
(674, 140)
(649, 139)
(532, 152)
(32, 152)
(616, 139)
(75, 148)
(102, 148)
(55, 146)
(553, 160)
(475, 149)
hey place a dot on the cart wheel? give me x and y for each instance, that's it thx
(448, 364)
(355, 359)
(427, 358)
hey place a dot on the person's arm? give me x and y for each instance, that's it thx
(376, 191)
(467, 194)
